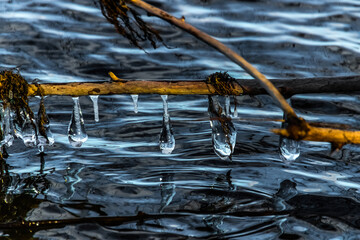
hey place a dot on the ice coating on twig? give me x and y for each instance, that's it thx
(94, 99)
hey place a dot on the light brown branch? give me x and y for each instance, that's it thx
(128, 87)
(337, 136)
(287, 87)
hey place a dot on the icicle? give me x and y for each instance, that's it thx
(167, 140)
(76, 131)
(94, 99)
(24, 127)
(223, 130)
(227, 106)
(289, 148)
(45, 136)
(166, 107)
(135, 98)
(6, 123)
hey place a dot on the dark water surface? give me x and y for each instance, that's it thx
(192, 193)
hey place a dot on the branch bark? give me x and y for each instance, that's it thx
(127, 87)
(292, 86)
(337, 136)
(287, 87)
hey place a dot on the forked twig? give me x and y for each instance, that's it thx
(265, 83)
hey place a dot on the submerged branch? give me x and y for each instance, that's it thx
(287, 87)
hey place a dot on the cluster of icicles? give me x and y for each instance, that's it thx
(224, 133)
(26, 128)
(223, 130)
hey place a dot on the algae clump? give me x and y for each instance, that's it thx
(222, 82)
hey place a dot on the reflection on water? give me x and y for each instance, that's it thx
(120, 171)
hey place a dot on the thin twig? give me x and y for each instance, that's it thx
(270, 88)
(319, 134)
(287, 87)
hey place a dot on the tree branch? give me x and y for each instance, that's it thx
(287, 87)
(265, 83)
(337, 136)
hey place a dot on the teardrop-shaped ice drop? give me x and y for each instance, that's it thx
(223, 131)
(94, 99)
(289, 149)
(135, 98)
(167, 140)
(45, 136)
(76, 131)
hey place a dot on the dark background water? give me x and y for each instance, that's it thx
(120, 170)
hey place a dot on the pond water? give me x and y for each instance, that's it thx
(120, 171)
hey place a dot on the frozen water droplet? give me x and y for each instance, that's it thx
(167, 140)
(76, 131)
(223, 131)
(45, 136)
(94, 99)
(289, 148)
(135, 98)
(7, 127)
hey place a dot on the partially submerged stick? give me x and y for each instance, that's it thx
(338, 137)
(128, 87)
(287, 87)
